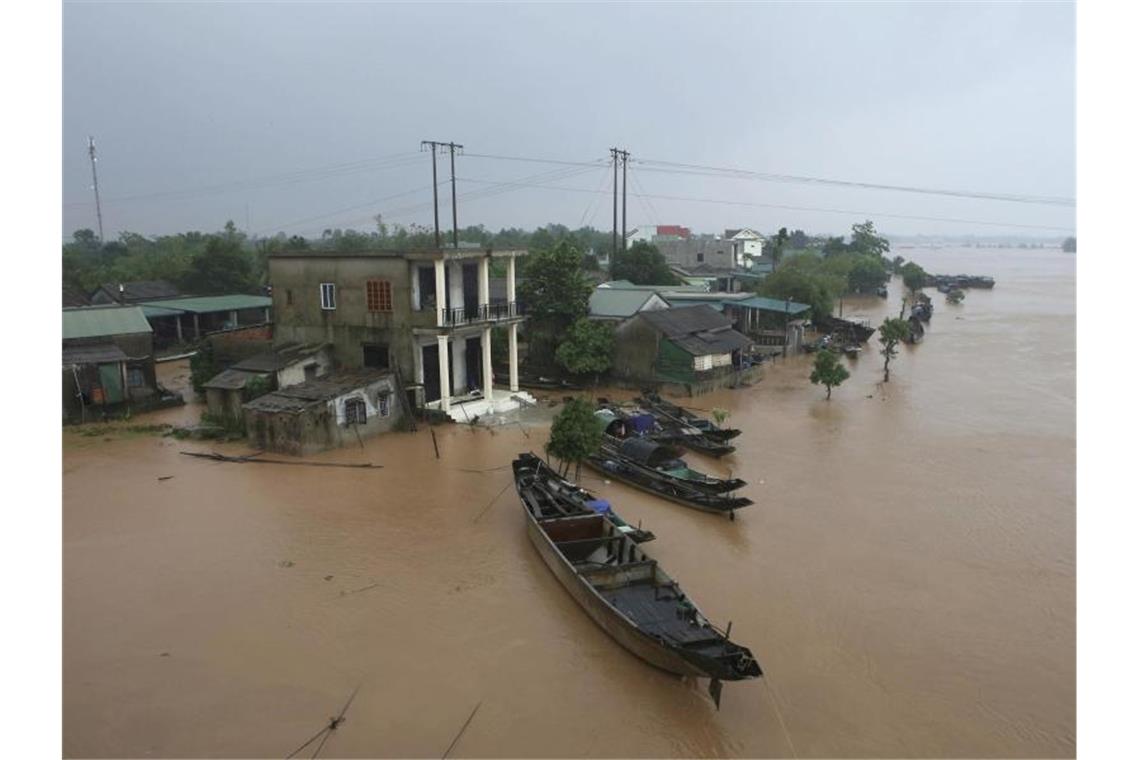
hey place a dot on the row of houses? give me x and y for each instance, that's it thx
(691, 338)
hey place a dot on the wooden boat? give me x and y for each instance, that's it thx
(629, 422)
(665, 460)
(852, 350)
(627, 593)
(556, 497)
(631, 462)
(662, 408)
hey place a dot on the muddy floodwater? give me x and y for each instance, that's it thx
(906, 577)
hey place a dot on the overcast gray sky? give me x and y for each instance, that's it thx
(208, 112)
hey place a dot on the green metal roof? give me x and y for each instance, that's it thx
(205, 304)
(773, 304)
(97, 321)
(613, 302)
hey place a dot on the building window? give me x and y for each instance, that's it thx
(355, 412)
(288, 297)
(700, 257)
(135, 378)
(375, 355)
(328, 296)
(383, 404)
(379, 295)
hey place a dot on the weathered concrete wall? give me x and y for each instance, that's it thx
(299, 318)
(294, 374)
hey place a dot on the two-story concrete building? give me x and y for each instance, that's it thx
(426, 315)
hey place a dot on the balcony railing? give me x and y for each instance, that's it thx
(494, 312)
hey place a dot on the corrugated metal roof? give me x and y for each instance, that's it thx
(297, 398)
(686, 320)
(612, 302)
(101, 353)
(231, 379)
(773, 304)
(206, 304)
(97, 321)
(718, 342)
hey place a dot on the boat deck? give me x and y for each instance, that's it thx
(655, 610)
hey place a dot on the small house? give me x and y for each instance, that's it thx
(288, 365)
(693, 347)
(108, 362)
(324, 413)
(610, 304)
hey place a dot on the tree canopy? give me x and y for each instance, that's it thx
(892, 332)
(828, 371)
(865, 240)
(914, 276)
(588, 348)
(575, 434)
(802, 278)
(642, 264)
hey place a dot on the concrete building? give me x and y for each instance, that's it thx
(108, 362)
(426, 315)
(324, 413)
(693, 348)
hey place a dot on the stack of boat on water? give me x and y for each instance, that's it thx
(630, 421)
(621, 587)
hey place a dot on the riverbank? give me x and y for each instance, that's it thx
(906, 577)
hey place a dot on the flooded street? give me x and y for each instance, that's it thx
(906, 577)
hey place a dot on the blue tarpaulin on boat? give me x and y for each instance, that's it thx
(601, 506)
(641, 423)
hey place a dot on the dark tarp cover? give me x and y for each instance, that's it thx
(645, 452)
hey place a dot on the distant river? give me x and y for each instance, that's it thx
(906, 578)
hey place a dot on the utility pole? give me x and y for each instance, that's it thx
(623, 155)
(95, 183)
(434, 145)
(613, 251)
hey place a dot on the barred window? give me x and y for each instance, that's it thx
(135, 377)
(379, 295)
(355, 412)
(328, 296)
(382, 404)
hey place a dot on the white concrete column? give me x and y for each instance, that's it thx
(444, 375)
(488, 374)
(484, 281)
(178, 326)
(511, 279)
(266, 315)
(514, 359)
(440, 292)
(233, 318)
(456, 285)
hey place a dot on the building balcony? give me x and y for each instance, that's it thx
(493, 312)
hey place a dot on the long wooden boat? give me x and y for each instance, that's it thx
(556, 497)
(627, 593)
(609, 462)
(662, 408)
(629, 422)
(665, 460)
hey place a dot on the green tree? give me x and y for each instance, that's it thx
(892, 332)
(575, 434)
(778, 242)
(828, 371)
(835, 246)
(897, 264)
(588, 348)
(223, 267)
(914, 277)
(867, 274)
(556, 294)
(865, 240)
(642, 264)
(802, 278)
(798, 240)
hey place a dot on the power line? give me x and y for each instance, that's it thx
(373, 202)
(713, 171)
(865, 214)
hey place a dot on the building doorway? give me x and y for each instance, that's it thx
(430, 358)
(474, 356)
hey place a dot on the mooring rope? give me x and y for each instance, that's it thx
(780, 717)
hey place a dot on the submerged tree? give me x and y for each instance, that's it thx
(828, 371)
(914, 276)
(575, 435)
(587, 349)
(891, 333)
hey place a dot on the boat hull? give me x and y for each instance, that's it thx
(608, 619)
(616, 475)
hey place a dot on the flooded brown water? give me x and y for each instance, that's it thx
(906, 578)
